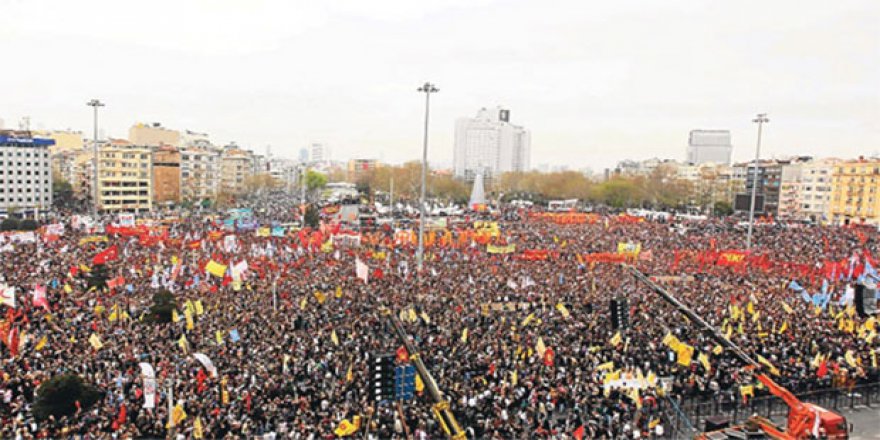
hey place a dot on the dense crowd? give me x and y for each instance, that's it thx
(521, 347)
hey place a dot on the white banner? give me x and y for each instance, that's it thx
(149, 385)
(206, 362)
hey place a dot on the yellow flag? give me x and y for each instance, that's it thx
(216, 269)
(783, 328)
(99, 309)
(606, 366)
(174, 316)
(425, 318)
(197, 429)
(174, 259)
(766, 363)
(347, 428)
(182, 342)
(338, 291)
(685, 354)
(747, 390)
(95, 340)
(787, 308)
(178, 414)
(717, 350)
(114, 314)
(334, 338)
(514, 377)
(67, 288)
(303, 302)
(563, 310)
(420, 386)
(199, 308)
(751, 308)
(42, 343)
(190, 324)
(188, 305)
(704, 360)
(464, 334)
(528, 319)
(616, 339)
(540, 347)
(412, 315)
(219, 337)
(320, 297)
(349, 375)
(850, 358)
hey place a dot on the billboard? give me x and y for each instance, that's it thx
(743, 202)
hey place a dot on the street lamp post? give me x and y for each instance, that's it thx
(760, 120)
(94, 104)
(427, 89)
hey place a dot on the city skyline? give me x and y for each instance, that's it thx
(345, 74)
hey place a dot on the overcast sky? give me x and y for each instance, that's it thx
(594, 81)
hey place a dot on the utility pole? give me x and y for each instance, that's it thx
(427, 89)
(94, 104)
(760, 120)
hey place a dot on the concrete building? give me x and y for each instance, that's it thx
(153, 135)
(490, 144)
(768, 184)
(358, 168)
(25, 173)
(816, 189)
(166, 175)
(235, 167)
(303, 155)
(283, 171)
(318, 153)
(125, 174)
(199, 173)
(709, 146)
(855, 193)
(189, 138)
(65, 140)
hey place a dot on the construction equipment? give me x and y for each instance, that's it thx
(805, 420)
(441, 409)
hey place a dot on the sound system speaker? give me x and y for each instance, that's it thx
(619, 313)
(717, 423)
(866, 300)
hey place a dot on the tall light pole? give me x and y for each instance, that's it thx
(94, 104)
(760, 120)
(427, 89)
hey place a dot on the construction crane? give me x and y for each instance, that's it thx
(440, 408)
(805, 420)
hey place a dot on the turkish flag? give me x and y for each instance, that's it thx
(109, 254)
(579, 433)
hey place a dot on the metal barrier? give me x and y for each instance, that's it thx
(688, 416)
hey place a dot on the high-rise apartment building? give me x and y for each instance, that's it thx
(358, 168)
(489, 144)
(25, 173)
(709, 146)
(199, 172)
(125, 174)
(235, 167)
(855, 194)
(153, 135)
(318, 152)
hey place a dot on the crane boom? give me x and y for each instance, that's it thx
(441, 409)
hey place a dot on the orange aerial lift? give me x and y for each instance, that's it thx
(805, 420)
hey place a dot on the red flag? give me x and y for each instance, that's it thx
(13, 341)
(579, 433)
(402, 354)
(548, 357)
(200, 378)
(109, 254)
(120, 419)
(823, 369)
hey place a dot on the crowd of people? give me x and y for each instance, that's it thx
(521, 347)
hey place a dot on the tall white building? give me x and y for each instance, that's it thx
(199, 172)
(709, 146)
(319, 152)
(490, 144)
(25, 173)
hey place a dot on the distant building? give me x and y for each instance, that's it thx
(318, 153)
(189, 138)
(25, 173)
(65, 140)
(199, 173)
(235, 167)
(768, 182)
(489, 144)
(166, 175)
(125, 174)
(303, 155)
(855, 196)
(358, 168)
(709, 146)
(153, 135)
(816, 189)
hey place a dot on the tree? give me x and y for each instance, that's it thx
(315, 180)
(28, 224)
(619, 192)
(363, 187)
(163, 307)
(257, 182)
(58, 396)
(445, 187)
(62, 191)
(723, 208)
(9, 224)
(311, 217)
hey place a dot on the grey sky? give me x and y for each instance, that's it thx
(595, 81)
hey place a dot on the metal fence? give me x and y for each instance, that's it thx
(687, 418)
